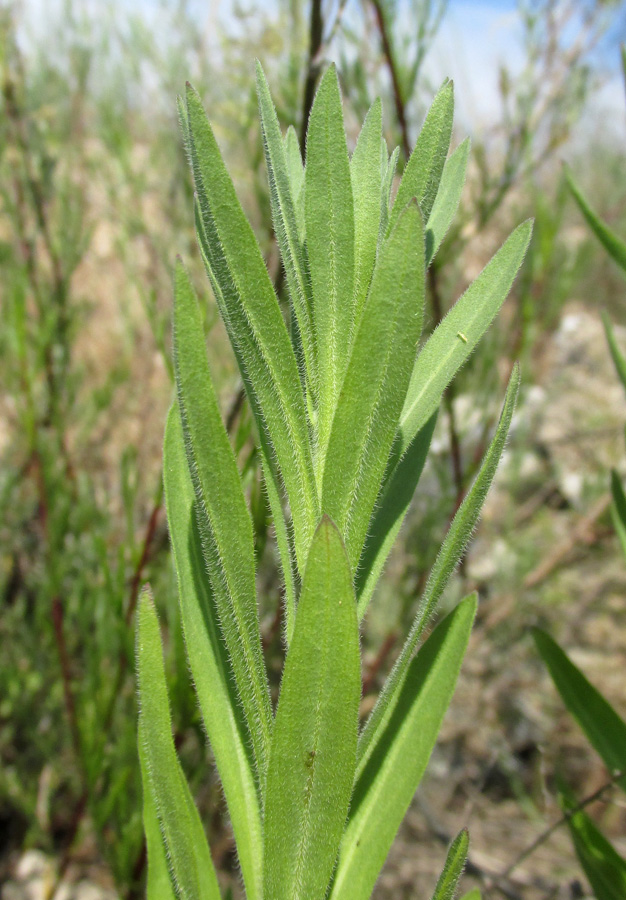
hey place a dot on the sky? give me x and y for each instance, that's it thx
(474, 38)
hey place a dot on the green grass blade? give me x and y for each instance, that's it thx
(451, 551)
(158, 882)
(286, 225)
(329, 214)
(614, 246)
(187, 849)
(618, 509)
(366, 174)
(255, 324)
(386, 785)
(603, 866)
(391, 508)
(224, 520)
(295, 171)
(453, 869)
(619, 360)
(374, 388)
(604, 729)
(211, 671)
(422, 173)
(313, 752)
(458, 334)
(447, 200)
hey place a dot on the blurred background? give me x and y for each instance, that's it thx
(95, 203)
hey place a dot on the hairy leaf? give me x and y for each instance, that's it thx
(295, 170)
(388, 172)
(374, 388)
(208, 661)
(447, 200)
(313, 751)
(386, 784)
(286, 226)
(391, 508)
(254, 322)
(453, 869)
(605, 730)
(158, 882)
(223, 517)
(329, 214)
(366, 174)
(451, 551)
(187, 849)
(458, 334)
(422, 173)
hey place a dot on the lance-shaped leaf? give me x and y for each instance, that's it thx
(458, 334)
(295, 170)
(614, 246)
(422, 173)
(389, 167)
(374, 388)
(187, 849)
(618, 509)
(605, 730)
(619, 360)
(603, 866)
(447, 199)
(210, 668)
(254, 322)
(223, 517)
(366, 174)
(313, 751)
(451, 551)
(286, 225)
(329, 214)
(455, 863)
(386, 784)
(391, 508)
(158, 882)
(273, 482)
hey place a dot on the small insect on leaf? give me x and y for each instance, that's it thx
(460, 334)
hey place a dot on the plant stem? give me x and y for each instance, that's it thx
(395, 80)
(316, 32)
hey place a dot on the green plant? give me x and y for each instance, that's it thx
(344, 408)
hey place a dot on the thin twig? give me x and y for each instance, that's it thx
(395, 79)
(316, 35)
(66, 674)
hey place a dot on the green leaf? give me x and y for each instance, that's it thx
(458, 334)
(295, 170)
(618, 509)
(366, 174)
(451, 551)
(604, 729)
(313, 751)
(619, 360)
(422, 173)
(223, 517)
(453, 869)
(286, 225)
(447, 200)
(329, 214)
(158, 883)
(187, 849)
(474, 894)
(389, 170)
(254, 322)
(211, 671)
(387, 781)
(391, 508)
(613, 245)
(603, 866)
(374, 388)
